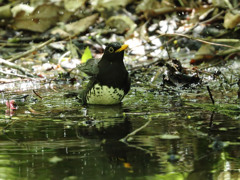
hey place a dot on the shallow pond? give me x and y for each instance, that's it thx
(57, 138)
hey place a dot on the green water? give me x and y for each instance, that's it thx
(57, 138)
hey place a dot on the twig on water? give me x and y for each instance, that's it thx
(210, 94)
(37, 94)
(135, 131)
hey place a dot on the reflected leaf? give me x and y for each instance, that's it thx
(71, 178)
(55, 159)
(169, 136)
(168, 176)
(223, 129)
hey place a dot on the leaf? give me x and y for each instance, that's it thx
(222, 4)
(204, 52)
(5, 12)
(81, 25)
(231, 20)
(72, 5)
(147, 5)
(122, 23)
(60, 32)
(22, 7)
(41, 19)
(86, 55)
(73, 49)
(109, 4)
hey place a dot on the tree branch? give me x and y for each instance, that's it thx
(32, 50)
(14, 66)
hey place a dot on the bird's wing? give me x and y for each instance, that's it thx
(90, 67)
(83, 93)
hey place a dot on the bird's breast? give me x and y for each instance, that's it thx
(105, 95)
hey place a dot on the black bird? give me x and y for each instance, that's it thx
(109, 81)
(177, 75)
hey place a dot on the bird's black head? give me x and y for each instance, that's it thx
(114, 52)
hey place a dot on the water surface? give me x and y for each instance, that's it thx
(57, 138)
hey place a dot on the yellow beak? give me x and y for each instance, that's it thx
(123, 47)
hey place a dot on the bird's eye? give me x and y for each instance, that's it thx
(111, 50)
